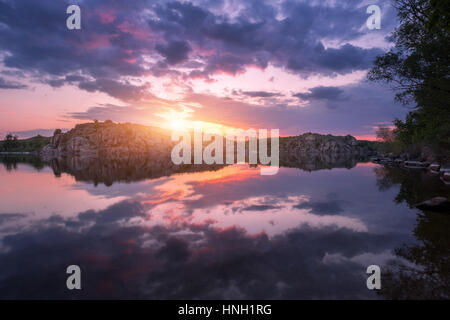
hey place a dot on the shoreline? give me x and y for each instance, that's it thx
(19, 153)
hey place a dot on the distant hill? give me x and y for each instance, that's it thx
(33, 144)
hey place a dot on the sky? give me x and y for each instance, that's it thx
(297, 66)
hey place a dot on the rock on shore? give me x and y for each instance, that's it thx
(437, 204)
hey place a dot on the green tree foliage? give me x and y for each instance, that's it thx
(417, 68)
(13, 144)
(10, 142)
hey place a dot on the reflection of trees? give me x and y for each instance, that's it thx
(425, 274)
(429, 277)
(10, 162)
(415, 185)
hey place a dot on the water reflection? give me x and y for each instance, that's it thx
(426, 273)
(10, 162)
(225, 233)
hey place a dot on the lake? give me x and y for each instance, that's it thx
(225, 233)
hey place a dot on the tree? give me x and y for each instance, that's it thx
(10, 142)
(384, 134)
(418, 69)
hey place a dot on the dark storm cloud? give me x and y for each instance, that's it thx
(257, 37)
(321, 93)
(36, 40)
(116, 36)
(4, 84)
(175, 51)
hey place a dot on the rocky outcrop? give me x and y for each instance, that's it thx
(433, 168)
(108, 140)
(310, 144)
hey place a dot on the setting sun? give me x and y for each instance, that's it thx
(178, 124)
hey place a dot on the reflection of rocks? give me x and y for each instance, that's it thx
(320, 161)
(391, 160)
(416, 186)
(134, 168)
(127, 169)
(437, 204)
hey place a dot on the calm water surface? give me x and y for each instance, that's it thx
(228, 233)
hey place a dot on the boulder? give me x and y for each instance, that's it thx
(446, 178)
(434, 167)
(416, 164)
(437, 204)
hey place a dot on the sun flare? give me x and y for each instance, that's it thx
(179, 124)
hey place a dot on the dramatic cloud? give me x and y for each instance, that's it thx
(117, 37)
(124, 46)
(174, 52)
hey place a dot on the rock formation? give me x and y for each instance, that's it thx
(107, 152)
(312, 144)
(108, 140)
